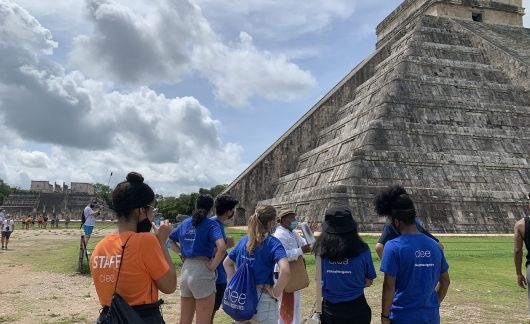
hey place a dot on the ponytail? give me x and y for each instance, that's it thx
(203, 205)
(257, 226)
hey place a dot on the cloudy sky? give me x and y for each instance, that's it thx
(187, 92)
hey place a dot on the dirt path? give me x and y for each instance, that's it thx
(30, 295)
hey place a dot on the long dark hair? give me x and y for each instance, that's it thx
(203, 205)
(337, 247)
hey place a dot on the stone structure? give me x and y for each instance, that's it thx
(45, 198)
(442, 107)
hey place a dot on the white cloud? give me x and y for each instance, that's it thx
(278, 19)
(166, 43)
(91, 128)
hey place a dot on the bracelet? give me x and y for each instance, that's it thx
(385, 316)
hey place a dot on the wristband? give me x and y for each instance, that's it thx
(385, 316)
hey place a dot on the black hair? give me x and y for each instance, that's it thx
(131, 194)
(224, 203)
(395, 202)
(203, 205)
(337, 247)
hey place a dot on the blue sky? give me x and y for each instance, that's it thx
(188, 92)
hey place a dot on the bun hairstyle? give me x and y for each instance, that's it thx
(203, 205)
(257, 226)
(131, 194)
(395, 202)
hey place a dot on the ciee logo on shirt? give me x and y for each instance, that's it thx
(422, 254)
(344, 262)
(235, 297)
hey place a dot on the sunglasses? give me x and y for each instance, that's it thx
(154, 208)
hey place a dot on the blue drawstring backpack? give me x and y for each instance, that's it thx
(240, 300)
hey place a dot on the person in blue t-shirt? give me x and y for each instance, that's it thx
(225, 208)
(416, 272)
(347, 268)
(202, 246)
(390, 232)
(262, 251)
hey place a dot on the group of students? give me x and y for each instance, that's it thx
(415, 270)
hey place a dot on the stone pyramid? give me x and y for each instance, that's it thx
(442, 107)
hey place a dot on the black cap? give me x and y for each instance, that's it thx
(339, 220)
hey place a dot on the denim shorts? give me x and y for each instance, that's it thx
(267, 312)
(88, 229)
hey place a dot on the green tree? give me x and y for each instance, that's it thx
(5, 190)
(103, 192)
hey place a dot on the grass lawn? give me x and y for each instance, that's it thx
(483, 284)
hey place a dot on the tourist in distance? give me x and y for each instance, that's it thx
(90, 221)
(390, 232)
(8, 225)
(202, 246)
(225, 208)
(295, 246)
(2, 217)
(522, 235)
(134, 262)
(416, 277)
(262, 251)
(347, 268)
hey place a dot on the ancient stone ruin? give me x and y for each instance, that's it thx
(442, 106)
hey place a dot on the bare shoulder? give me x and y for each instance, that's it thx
(519, 226)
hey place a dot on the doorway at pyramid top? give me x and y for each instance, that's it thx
(505, 12)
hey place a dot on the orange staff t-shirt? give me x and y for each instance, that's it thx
(143, 264)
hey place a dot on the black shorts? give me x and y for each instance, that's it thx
(6, 234)
(355, 311)
(219, 294)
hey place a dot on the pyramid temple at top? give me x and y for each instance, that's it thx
(442, 107)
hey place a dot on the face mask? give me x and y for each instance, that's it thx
(293, 225)
(144, 226)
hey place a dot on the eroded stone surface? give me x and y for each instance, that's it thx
(443, 108)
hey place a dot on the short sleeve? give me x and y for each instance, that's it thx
(174, 235)
(154, 260)
(214, 232)
(388, 234)
(235, 251)
(369, 269)
(389, 263)
(444, 266)
(277, 250)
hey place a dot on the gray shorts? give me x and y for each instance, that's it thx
(196, 279)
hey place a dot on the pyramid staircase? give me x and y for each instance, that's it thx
(438, 114)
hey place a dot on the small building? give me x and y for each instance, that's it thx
(82, 187)
(41, 186)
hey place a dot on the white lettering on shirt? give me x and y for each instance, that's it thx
(105, 261)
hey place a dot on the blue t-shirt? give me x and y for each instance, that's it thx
(417, 262)
(344, 280)
(390, 232)
(197, 241)
(221, 273)
(262, 259)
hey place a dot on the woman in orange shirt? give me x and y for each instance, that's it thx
(146, 266)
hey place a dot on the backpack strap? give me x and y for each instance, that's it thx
(121, 261)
